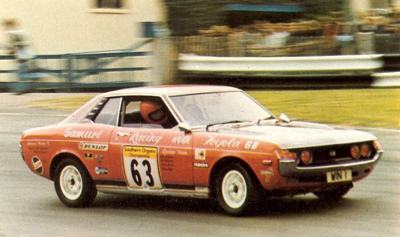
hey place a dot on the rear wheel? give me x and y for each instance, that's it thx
(73, 184)
(333, 194)
(236, 191)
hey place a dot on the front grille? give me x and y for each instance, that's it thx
(336, 154)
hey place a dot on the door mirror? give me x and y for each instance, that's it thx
(185, 127)
(284, 118)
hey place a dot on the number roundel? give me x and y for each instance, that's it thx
(141, 167)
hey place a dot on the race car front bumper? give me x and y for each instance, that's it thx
(290, 169)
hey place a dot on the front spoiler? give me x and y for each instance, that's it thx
(289, 168)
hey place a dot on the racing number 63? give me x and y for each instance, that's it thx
(136, 175)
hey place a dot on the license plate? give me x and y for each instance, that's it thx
(338, 176)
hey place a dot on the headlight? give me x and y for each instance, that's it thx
(365, 150)
(306, 157)
(355, 152)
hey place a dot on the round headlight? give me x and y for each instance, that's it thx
(365, 150)
(306, 157)
(355, 152)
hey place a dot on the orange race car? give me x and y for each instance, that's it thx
(194, 141)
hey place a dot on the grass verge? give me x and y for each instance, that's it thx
(354, 107)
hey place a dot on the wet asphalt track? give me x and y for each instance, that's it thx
(30, 207)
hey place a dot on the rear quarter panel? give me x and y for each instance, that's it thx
(41, 146)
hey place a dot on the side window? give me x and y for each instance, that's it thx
(109, 112)
(116, 4)
(146, 112)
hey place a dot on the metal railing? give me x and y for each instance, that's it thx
(256, 45)
(94, 69)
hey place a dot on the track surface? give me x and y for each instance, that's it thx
(30, 207)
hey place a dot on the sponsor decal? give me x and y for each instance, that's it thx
(140, 151)
(182, 152)
(37, 165)
(82, 134)
(168, 152)
(199, 154)
(39, 147)
(267, 174)
(218, 143)
(181, 140)
(99, 158)
(101, 171)
(173, 152)
(93, 146)
(138, 138)
(88, 156)
(251, 145)
(200, 165)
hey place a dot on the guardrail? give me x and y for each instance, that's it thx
(72, 70)
(258, 45)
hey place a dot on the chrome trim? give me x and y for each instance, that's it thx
(288, 168)
(198, 192)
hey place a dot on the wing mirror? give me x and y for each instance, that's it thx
(284, 118)
(185, 127)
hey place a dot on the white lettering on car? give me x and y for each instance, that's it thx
(181, 140)
(251, 145)
(137, 138)
(232, 143)
(82, 134)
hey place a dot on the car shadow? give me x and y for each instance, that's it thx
(305, 204)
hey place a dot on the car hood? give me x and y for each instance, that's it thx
(299, 134)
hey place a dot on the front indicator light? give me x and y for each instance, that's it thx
(355, 152)
(365, 150)
(377, 146)
(286, 155)
(306, 157)
(21, 150)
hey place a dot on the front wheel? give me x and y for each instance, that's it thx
(236, 191)
(73, 184)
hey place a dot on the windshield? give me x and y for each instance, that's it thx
(213, 108)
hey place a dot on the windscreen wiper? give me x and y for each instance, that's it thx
(266, 118)
(227, 122)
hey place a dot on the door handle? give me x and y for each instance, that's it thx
(123, 134)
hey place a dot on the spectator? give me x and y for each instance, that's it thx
(18, 45)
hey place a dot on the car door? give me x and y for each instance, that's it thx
(151, 156)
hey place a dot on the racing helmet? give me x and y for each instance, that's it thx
(153, 112)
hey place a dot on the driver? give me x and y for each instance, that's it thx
(153, 112)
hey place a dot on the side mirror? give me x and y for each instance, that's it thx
(284, 118)
(185, 127)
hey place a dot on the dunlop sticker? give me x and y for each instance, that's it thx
(93, 146)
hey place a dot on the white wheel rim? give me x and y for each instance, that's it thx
(234, 189)
(71, 182)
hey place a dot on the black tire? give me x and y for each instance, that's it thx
(333, 194)
(244, 194)
(73, 184)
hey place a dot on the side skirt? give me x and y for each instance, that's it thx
(197, 192)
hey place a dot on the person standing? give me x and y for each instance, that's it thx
(18, 45)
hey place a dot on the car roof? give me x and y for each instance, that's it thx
(170, 90)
